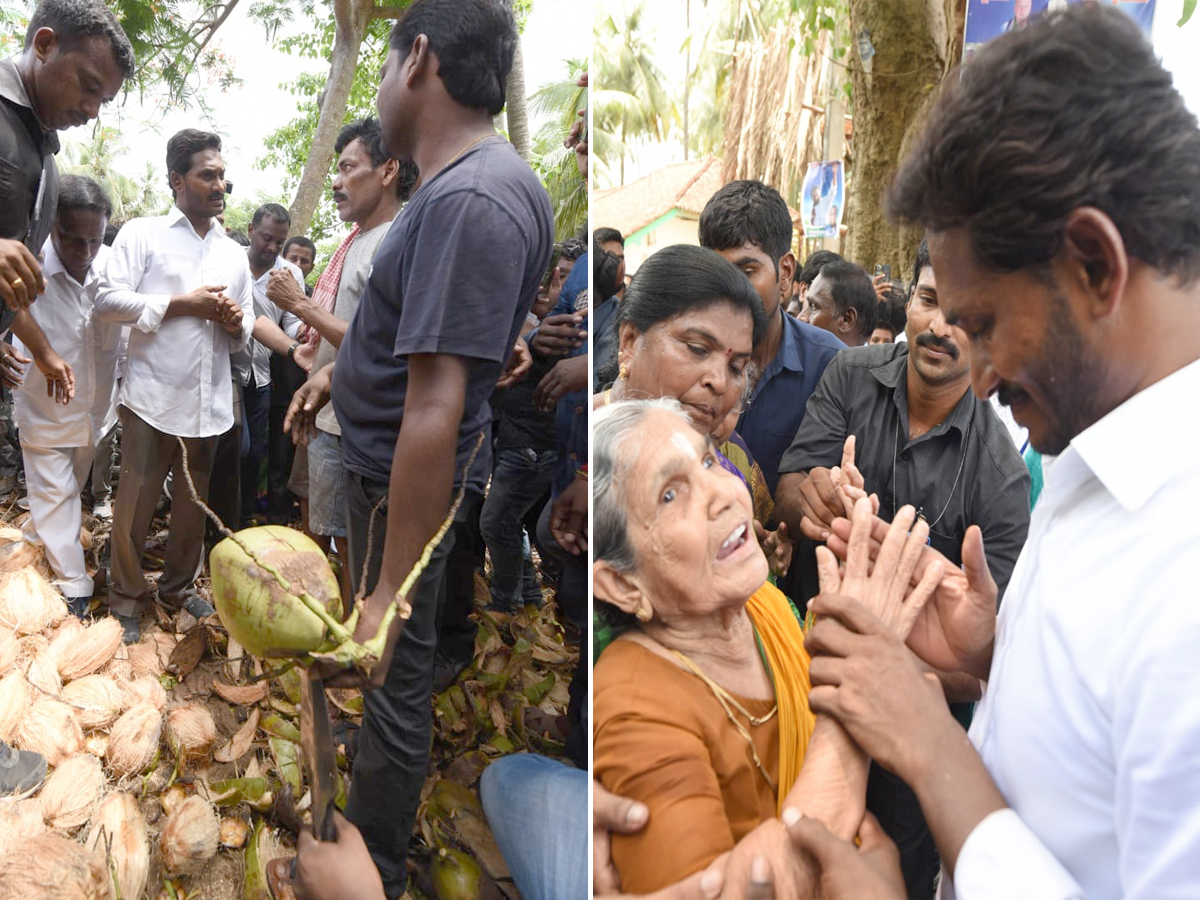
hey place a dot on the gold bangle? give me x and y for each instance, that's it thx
(581, 473)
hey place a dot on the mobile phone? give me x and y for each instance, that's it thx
(884, 270)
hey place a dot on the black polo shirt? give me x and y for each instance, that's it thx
(963, 472)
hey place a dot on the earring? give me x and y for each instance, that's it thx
(623, 372)
(643, 614)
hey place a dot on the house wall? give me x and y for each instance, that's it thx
(676, 227)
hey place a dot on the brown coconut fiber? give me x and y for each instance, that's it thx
(118, 831)
(133, 740)
(190, 836)
(50, 728)
(72, 791)
(86, 652)
(28, 604)
(51, 867)
(96, 699)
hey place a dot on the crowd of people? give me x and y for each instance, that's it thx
(422, 363)
(882, 606)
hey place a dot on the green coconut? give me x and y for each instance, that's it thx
(260, 615)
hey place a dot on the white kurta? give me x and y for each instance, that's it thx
(178, 376)
(289, 323)
(1090, 722)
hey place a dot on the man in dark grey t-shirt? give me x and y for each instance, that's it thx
(450, 287)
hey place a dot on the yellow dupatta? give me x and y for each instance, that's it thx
(783, 641)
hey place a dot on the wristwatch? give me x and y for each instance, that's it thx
(292, 351)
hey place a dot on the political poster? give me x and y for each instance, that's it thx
(823, 200)
(987, 19)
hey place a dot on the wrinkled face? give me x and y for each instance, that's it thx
(698, 357)
(938, 351)
(770, 281)
(266, 239)
(882, 336)
(358, 185)
(1026, 343)
(72, 83)
(77, 236)
(301, 258)
(690, 522)
(617, 249)
(201, 191)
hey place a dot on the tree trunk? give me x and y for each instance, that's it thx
(912, 42)
(352, 18)
(516, 108)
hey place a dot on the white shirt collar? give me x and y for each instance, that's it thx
(1144, 443)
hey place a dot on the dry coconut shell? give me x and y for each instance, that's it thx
(84, 653)
(28, 604)
(144, 689)
(14, 703)
(190, 836)
(96, 699)
(133, 740)
(49, 727)
(72, 791)
(10, 651)
(50, 867)
(118, 830)
(19, 555)
(19, 821)
(191, 731)
(42, 674)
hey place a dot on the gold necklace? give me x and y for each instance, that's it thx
(482, 137)
(727, 700)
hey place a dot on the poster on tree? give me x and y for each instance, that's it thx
(987, 19)
(822, 203)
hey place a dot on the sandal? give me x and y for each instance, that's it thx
(280, 873)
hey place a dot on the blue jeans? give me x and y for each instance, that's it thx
(537, 810)
(519, 479)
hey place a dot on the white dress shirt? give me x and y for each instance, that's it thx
(64, 313)
(1090, 721)
(260, 354)
(178, 377)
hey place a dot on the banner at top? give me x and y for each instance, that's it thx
(822, 202)
(987, 19)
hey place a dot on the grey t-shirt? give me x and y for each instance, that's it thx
(456, 275)
(356, 268)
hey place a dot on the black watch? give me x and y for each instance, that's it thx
(292, 350)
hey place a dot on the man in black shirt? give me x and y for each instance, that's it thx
(921, 438)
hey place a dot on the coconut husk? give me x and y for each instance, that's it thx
(42, 674)
(118, 667)
(86, 540)
(85, 653)
(65, 629)
(51, 867)
(14, 702)
(96, 699)
(19, 555)
(133, 740)
(118, 831)
(49, 727)
(152, 654)
(191, 731)
(10, 651)
(19, 820)
(190, 836)
(72, 791)
(241, 695)
(28, 604)
(10, 535)
(144, 689)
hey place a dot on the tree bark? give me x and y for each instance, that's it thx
(912, 43)
(516, 108)
(352, 18)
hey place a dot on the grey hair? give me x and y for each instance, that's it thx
(81, 192)
(612, 426)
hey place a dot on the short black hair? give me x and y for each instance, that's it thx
(892, 315)
(605, 267)
(851, 288)
(572, 248)
(685, 277)
(273, 211)
(300, 241)
(1072, 111)
(185, 144)
(475, 41)
(747, 212)
(74, 20)
(239, 237)
(608, 235)
(81, 192)
(368, 132)
(921, 261)
(812, 265)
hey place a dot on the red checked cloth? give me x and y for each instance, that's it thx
(324, 294)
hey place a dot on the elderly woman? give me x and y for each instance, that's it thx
(701, 704)
(687, 329)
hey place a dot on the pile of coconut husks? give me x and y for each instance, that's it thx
(169, 759)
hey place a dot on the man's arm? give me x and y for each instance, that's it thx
(272, 336)
(60, 377)
(289, 296)
(419, 490)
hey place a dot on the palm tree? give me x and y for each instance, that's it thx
(555, 164)
(631, 99)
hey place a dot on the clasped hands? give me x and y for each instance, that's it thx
(212, 303)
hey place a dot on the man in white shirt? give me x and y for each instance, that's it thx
(1062, 197)
(185, 288)
(58, 441)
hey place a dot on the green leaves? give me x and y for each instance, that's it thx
(1189, 7)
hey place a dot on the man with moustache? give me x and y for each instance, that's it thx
(921, 438)
(184, 287)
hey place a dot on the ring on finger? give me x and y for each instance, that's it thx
(17, 283)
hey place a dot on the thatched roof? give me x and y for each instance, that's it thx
(684, 186)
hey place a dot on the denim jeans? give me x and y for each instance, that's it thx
(257, 407)
(519, 479)
(393, 744)
(537, 810)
